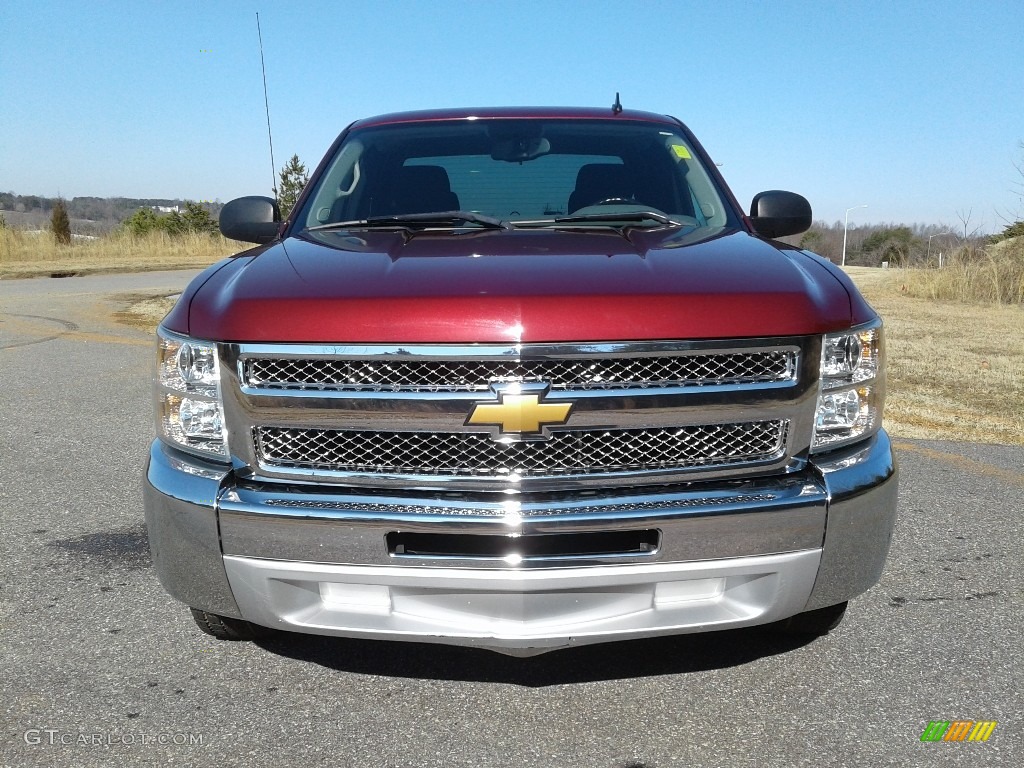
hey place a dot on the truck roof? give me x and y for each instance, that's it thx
(578, 113)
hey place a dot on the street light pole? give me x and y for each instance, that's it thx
(846, 225)
(937, 234)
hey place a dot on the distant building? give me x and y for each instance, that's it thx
(167, 208)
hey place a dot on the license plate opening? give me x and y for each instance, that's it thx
(530, 547)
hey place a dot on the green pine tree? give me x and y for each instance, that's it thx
(293, 179)
(141, 223)
(195, 218)
(60, 223)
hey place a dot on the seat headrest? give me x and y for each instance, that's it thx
(419, 189)
(425, 177)
(599, 181)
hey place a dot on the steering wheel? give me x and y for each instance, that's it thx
(614, 201)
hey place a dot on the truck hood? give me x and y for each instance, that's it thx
(516, 286)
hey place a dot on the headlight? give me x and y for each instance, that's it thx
(190, 414)
(852, 392)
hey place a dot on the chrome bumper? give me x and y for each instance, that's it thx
(318, 560)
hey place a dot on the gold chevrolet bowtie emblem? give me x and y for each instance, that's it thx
(519, 413)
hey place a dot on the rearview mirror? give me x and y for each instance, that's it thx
(776, 213)
(250, 219)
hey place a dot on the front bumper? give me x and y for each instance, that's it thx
(320, 560)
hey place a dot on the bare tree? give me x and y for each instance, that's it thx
(965, 215)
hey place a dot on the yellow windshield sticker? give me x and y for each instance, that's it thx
(681, 152)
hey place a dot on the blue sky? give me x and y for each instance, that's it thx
(915, 108)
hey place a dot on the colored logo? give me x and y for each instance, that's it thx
(959, 730)
(520, 411)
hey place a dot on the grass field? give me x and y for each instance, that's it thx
(37, 254)
(956, 370)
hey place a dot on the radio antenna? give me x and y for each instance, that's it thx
(266, 102)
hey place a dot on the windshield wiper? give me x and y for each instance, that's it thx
(425, 219)
(620, 218)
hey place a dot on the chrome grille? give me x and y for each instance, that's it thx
(469, 454)
(405, 375)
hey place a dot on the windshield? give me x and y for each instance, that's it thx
(517, 171)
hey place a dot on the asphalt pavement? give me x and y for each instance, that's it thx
(98, 666)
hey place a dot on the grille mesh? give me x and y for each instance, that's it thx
(471, 454)
(402, 375)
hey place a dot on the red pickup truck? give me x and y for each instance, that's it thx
(519, 379)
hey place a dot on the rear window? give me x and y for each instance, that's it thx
(533, 189)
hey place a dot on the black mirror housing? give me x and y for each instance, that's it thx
(776, 213)
(251, 219)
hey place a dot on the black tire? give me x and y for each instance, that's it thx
(814, 623)
(226, 628)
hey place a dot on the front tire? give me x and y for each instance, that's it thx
(226, 628)
(814, 623)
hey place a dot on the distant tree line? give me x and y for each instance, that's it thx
(916, 245)
(88, 215)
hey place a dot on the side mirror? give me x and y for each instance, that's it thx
(776, 213)
(250, 219)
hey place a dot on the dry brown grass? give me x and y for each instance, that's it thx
(956, 370)
(992, 276)
(27, 254)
